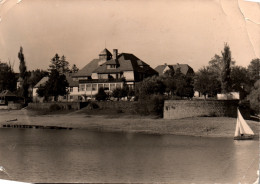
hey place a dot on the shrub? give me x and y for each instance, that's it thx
(101, 95)
(54, 107)
(151, 106)
(92, 105)
(254, 99)
(158, 103)
(119, 111)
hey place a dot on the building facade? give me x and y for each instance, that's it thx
(111, 72)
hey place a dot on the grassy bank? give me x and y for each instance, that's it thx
(120, 122)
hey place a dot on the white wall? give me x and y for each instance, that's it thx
(35, 92)
(229, 96)
(94, 76)
(129, 75)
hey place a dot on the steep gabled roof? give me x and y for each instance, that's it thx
(6, 93)
(160, 69)
(112, 62)
(126, 62)
(88, 69)
(184, 68)
(42, 82)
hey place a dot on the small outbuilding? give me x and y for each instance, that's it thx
(7, 96)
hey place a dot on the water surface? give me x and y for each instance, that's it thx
(35, 155)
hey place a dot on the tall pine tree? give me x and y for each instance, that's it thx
(23, 76)
(225, 73)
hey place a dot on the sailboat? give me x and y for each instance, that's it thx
(243, 131)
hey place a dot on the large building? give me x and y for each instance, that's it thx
(111, 72)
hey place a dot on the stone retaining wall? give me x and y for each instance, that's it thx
(62, 105)
(123, 105)
(177, 109)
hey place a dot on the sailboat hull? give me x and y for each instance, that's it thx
(244, 137)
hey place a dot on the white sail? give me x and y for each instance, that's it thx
(241, 126)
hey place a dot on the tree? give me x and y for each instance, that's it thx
(215, 66)
(74, 69)
(225, 72)
(60, 64)
(254, 97)
(240, 81)
(120, 92)
(184, 86)
(168, 80)
(23, 91)
(35, 76)
(55, 86)
(254, 70)
(101, 95)
(207, 82)
(149, 86)
(7, 77)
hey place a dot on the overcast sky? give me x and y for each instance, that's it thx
(156, 31)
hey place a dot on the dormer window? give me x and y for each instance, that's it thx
(111, 66)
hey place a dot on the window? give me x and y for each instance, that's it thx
(100, 86)
(94, 87)
(88, 87)
(118, 85)
(112, 76)
(112, 87)
(103, 76)
(106, 86)
(81, 87)
(131, 86)
(111, 66)
(71, 89)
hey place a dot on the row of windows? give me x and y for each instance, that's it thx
(95, 87)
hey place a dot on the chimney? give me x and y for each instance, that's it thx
(115, 53)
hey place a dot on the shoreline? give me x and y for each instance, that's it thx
(197, 126)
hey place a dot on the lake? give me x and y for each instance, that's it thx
(44, 155)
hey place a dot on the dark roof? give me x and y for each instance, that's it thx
(126, 62)
(71, 82)
(88, 69)
(112, 61)
(160, 69)
(6, 93)
(185, 69)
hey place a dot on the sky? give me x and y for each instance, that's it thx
(156, 31)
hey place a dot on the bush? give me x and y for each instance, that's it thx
(119, 111)
(158, 104)
(92, 105)
(54, 107)
(254, 98)
(151, 106)
(101, 95)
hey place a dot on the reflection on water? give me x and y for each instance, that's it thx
(34, 155)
